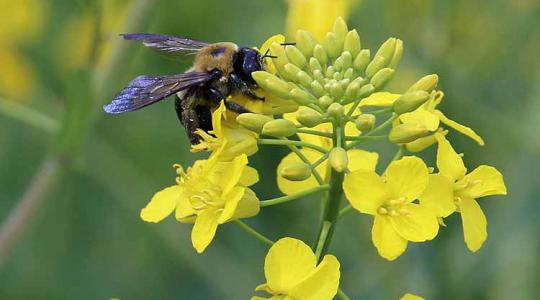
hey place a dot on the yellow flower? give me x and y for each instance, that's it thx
(292, 273)
(410, 297)
(390, 200)
(228, 138)
(358, 159)
(452, 187)
(316, 16)
(208, 194)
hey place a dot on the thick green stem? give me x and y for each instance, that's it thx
(288, 198)
(254, 233)
(315, 132)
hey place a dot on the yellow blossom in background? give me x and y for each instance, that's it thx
(316, 16)
(20, 23)
(410, 297)
(208, 194)
(453, 185)
(389, 199)
(292, 272)
(228, 138)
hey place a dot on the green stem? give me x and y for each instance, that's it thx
(315, 132)
(287, 142)
(320, 160)
(366, 138)
(399, 153)
(302, 157)
(254, 233)
(322, 238)
(377, 129)
(344, 211)
(342, 295)
(288, 198)
(380, 111)
(29, 116)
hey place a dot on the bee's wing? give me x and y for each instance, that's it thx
(171, 45)
(145, 90)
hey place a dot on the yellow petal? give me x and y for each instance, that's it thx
(248, 205)
(460, 128)
(232, 199)
(291, 187)
(249, 177)
(417, 225)
(361, 160)
(287, 263)
(383, 99)
(162, 204)
(483, 181)
(421, 117)
(474, 223)
(318, 140)
(407, 177)
(410, 297)
(204, 230)
(322, 283)
(439, 195)
(388, 242)
(184, 209)
(278, 38)
(227, 174)
(365, 190)
(448, 161)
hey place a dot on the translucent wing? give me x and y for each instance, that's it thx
(145, 90)
(171, 45)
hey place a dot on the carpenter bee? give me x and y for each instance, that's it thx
(218, 70)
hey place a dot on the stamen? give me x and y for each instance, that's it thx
(382, 211)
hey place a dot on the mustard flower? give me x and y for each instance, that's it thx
(411, 297)
(292, 273)
(389, 198)
(452, 188)
(209, 193)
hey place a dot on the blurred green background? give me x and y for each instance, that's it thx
(86, 240)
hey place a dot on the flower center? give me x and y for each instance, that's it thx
(206, 198)
(394, 207)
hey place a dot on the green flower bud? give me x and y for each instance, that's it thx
(381, 78)
(352, 90)
(296, 171)
(406, 133)
(296, 57)
(338, 64)
(332, 45)
(317, 88)
(279, 128)
(344, 83)
(349, 73)
(291, 70)
(346, 60)
(424, 142)
(378, 63)
(304, 79)
(365, 122)
(338, 159)
(281, 58)
(318, 75)
(272, 84)
(325, 101)
(394, 61)
(308, 116)
(337, 76)
(352, 43)
(336, 91)
(410, 101)
(427, 83)
(302, 97)
(320, 54)
(340, 30)
(362, 60)
(387, 49)
(365, 91)
(314, 65)
(330, 71)
(305, 41)
(253, 122)
(335, 110)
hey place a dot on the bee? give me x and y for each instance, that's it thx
(219, 70)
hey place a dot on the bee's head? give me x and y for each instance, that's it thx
(248, 61)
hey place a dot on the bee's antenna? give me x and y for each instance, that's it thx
(288, 44)
(268, 55)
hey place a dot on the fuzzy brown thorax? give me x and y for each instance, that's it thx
(216, 56)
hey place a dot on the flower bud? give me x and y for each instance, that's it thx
(332, 45)
(365, 122)
(281, 58)
(320, 54)
(336, 91)
(352, 43)
(338, 159)
(382, 77)
(427, 83)
(365, 91)
(279, 128)
(301, 97)
(304, 79)
(378, 63)
(406, 133)
(317, 88)
(296, 57)
(325, 101)
(330, 71)
(291, 70)
(314, 65)
(340, 29)
(335, 110)
(410, 101)
(348, 73)
(346, 60)
(318, 75)
(253, 122)
(308, 117)
(272, 84)
(352, 90)
(361, 60)
(305, 42)
(394, 61)
(423, 143)
(296, 171)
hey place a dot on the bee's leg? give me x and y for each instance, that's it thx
(217, 96)
(240, 85)
(189, 118)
